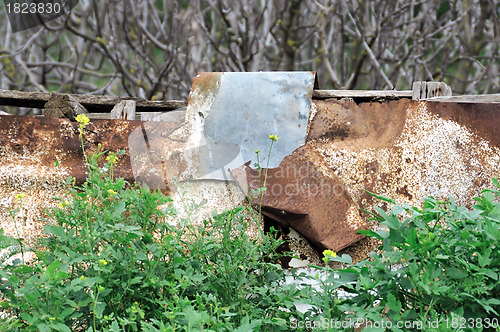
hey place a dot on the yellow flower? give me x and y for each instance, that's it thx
(329, 253)
(112, 158)
(112, 192)
(103, 262)
(83, 277)
(273, 137)
(20, 196)
(100, 288)
(63, 204)
(257, 151)
(82, 119)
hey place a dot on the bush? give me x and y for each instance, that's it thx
(439, 267)
(110, 262)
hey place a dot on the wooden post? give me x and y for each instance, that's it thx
(424, 90)
(124, 110)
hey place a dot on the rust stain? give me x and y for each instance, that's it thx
(205, 86)
(304, 194)
(426, 149)
(347, 124)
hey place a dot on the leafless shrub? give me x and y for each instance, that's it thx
(153, 48)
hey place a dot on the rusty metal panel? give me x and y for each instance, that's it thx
(304, 194)
(481, 119)
(243, 109)
(408, 150)
(43, 140)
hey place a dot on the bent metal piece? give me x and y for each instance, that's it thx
(304, 194)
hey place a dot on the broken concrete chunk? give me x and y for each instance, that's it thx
(63, 106)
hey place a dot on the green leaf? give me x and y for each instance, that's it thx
(371, 233)
(119, 208)
(99, 309)
(493, 275)
(455, 273)
(247, 325)
(52, 267)
(42, 327)
(27, 317)
(342, 259)
(56, 231)
(495, 213)
(24, 269)
(71, 303)
(66, 312)
(485, 259)
(412, 238)
(392, 222)
(383, 198)
(61, 327)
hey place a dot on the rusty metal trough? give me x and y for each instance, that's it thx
(405, 149)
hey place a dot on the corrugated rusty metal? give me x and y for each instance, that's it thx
(304, 194)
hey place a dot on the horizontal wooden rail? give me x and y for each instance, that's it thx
(100, 104)
(93, 103)
(370, 94)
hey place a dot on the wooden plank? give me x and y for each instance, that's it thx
(93, 103)
(171, 116)
(392, 94)
(492, 98)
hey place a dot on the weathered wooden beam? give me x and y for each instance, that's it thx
(366, 94)
(171, 116)
(93, 103)
(63, 106)
(492, 98)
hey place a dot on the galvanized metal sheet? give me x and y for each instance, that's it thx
(243, 109)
